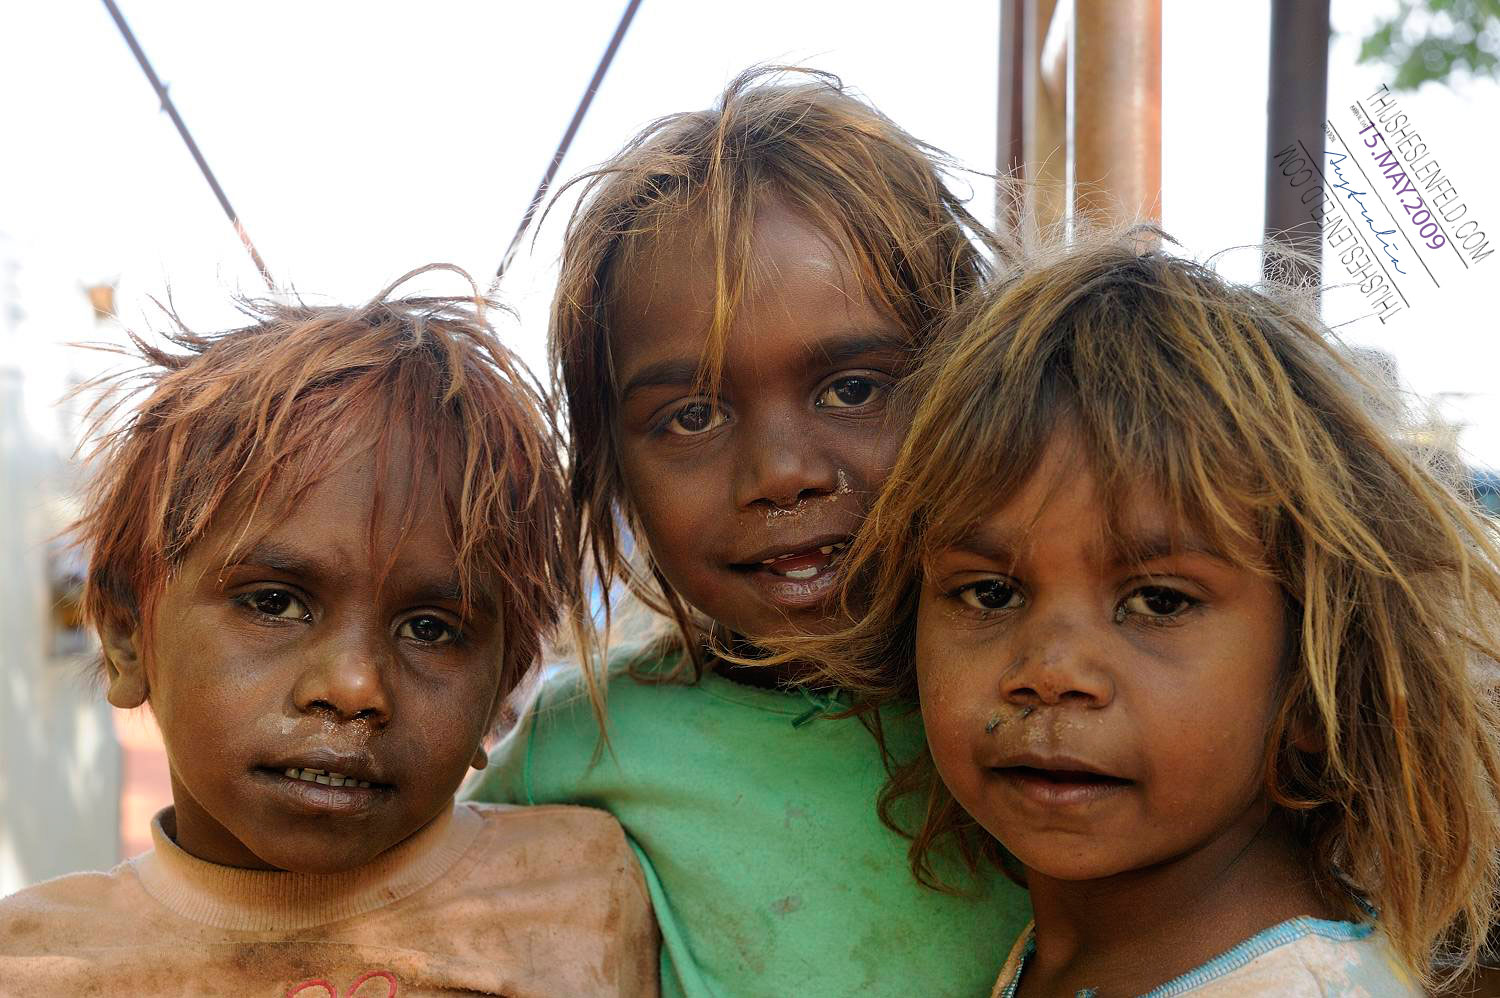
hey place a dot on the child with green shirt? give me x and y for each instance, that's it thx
(741, 289)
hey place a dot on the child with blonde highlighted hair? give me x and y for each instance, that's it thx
(1202, 645)
(324, 548)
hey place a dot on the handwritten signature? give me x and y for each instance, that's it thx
(1334, 159)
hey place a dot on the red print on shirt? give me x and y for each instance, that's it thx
(305, 989)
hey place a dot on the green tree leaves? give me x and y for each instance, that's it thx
(1431, 39)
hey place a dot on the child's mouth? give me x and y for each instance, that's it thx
(318, 791)
(799, 578)
(325, 778)
(1061, 786)
(805, 565)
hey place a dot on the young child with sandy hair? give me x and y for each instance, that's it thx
(742, 287)
(1197, 640)
(324, 548)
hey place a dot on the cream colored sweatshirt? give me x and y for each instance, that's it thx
(527, 902)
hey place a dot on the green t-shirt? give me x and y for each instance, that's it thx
(754, 820)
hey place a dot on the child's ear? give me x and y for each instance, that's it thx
(481, 758)
(122, 660)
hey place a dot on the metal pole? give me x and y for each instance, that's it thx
(1010, 137)
(1296, 109)
(1116, 124)
(171, 109)
(567, 140)
(1049, 23)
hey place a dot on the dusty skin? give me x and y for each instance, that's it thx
(1099, 704)
(782, 464)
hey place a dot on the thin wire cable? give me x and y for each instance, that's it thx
(567, 140)
(171, 109)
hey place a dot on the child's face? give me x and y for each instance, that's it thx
(747, 504)
(291, 659)
(1126, 700)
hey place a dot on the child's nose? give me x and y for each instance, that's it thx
(347, 680)
(1061, 662)
(780, 466)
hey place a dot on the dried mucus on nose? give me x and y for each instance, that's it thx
(841, 488)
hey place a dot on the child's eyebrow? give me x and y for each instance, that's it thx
(1000, 546)
(277, 557)
(1150, 545)
(680, 372)
(990, 543)
(859, 343)
(676, 372)
(291, 562)
(450, 592)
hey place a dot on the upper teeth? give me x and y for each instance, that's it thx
(325, 777)
(825, 549)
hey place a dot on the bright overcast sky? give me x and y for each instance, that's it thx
(359, 140)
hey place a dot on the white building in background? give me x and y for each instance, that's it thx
(60, 763)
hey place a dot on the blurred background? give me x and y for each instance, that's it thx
(359, 140)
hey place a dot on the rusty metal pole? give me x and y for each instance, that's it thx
(1010, 131)
(1048, 24)
(1116, 120)
(1296, 109)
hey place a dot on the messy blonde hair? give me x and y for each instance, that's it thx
(268, 410)
(1258, 431)
(793, 136)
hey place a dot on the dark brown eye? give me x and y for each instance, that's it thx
(428, 630)
(1157, 602)
(693, 418)
(848, 393)
(991, 594)
(276, 603)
